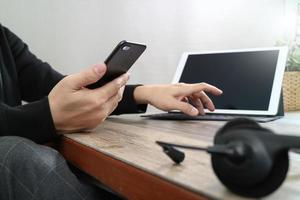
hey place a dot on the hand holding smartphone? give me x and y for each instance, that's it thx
(119, 61)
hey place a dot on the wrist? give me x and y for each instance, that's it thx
(140, 94)
(54, 115)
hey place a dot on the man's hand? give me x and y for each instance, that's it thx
(190, 99)
(76, 108)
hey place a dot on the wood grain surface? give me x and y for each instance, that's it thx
(131, 140)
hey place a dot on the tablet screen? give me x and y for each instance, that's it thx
(246, 78)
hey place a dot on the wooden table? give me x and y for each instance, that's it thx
(122, 154)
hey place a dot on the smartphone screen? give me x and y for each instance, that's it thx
(119, 61)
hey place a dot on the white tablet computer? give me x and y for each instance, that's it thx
(251, 79)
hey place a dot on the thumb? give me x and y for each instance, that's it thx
(184, 107)
(88, 76)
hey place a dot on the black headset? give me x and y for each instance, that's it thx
(248, 159)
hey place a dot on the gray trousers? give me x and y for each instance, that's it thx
(29, 171)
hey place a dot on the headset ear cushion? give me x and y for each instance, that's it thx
(273, 181)
(240, 123)
(276, 174)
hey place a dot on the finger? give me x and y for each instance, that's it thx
(110, 89)
(186, 108)
(195, 101)
(188, 89)
(87, 76)
(111, 104)
(121, 92)
(185, 99)
(206, 101)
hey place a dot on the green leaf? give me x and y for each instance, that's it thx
(296, 56)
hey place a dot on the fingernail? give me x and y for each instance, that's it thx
(194, 111)
(122, 80)
(127, 76)
(99, 69)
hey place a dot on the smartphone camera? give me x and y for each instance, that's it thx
(126, 48)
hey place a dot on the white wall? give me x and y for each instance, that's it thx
(291, 10)
(73, 34)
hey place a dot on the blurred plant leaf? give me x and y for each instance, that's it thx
(293, 61)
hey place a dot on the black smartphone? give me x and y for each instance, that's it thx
(119, 61)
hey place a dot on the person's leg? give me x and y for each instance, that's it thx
(32, 171)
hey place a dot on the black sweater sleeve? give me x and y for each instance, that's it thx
(27, 78)
(128, 104)
(32, 121)
(35, 77)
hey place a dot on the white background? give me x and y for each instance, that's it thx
(74, 34)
